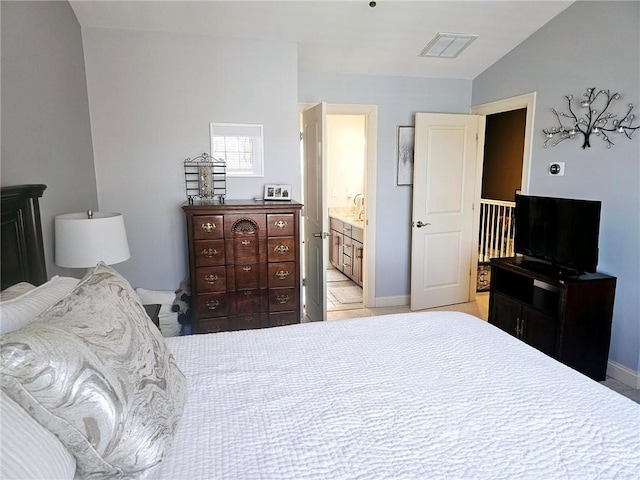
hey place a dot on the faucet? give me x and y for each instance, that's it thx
(358, 201)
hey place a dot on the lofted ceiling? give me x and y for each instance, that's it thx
(348, 36)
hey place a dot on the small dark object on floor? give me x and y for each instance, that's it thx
(484, 277)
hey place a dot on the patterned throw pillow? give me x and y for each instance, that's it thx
(95, 371)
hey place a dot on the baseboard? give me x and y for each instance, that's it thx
(396, 301)
(623, 374)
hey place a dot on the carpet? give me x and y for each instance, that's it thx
(350, 294)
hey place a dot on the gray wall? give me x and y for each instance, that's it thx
(398, 99)
(152, 97)
(591, 44)
(46, 137)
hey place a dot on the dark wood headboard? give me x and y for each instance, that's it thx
(22, 254)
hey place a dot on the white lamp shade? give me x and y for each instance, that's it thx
(82, 242)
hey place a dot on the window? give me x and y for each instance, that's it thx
(240, 146)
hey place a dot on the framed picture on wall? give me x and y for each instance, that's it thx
(277, 192)
(406, 140)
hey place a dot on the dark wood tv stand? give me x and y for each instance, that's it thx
(567, 317)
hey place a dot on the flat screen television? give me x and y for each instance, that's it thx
(561, 232)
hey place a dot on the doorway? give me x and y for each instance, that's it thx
(364, 205)
(504, 170)
(346, 162)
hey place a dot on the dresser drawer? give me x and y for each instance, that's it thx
(212, 325)
(282, 274)
(207, 226)
(282, 299)
(280, 319)
(280, 225)
(247, 276)
(249, 301)
(248, 322)
(281, 249)
(211, 279)
(209, 252)
(245, 224)
(246, 249)
(212, 305)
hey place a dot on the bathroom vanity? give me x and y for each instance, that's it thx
(347, 245)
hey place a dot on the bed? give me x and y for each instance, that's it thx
(419, 395)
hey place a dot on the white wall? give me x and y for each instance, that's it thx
(151, 98)
(46, 137)
(345, 158)
(398, 99)
(591, 44)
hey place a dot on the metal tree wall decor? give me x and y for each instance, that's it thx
(597, 120)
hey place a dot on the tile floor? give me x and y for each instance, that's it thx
(336, 279)
(479, 308)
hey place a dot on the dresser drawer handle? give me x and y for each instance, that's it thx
(208, 227)
(209, 252)
(282, 298)
(282, 274)
(212, 304)
(280, 224)
(247, 293)
(211, 279)
(246, 242)
(281, 249)
(246, 269)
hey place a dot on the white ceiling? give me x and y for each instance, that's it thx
(343, 36)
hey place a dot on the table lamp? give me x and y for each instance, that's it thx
(86, 238)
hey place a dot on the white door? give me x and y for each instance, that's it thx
(315, 218)
(443, 194)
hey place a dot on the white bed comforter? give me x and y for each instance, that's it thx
(435, 395)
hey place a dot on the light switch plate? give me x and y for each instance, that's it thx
(556, 169)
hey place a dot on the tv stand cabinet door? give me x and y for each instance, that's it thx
(505, 313)
(540, 331)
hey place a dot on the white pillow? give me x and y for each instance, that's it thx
(27, 449)
(161, 297)
(14, 291)
(22, 310)
(169, 325)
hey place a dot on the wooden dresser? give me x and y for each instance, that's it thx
(244, 264)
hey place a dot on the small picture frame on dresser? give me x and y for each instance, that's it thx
(277, 192)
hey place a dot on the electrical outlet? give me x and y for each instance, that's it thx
(334, 192)
(556, 169)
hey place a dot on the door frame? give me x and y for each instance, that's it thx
(370, 113)
(528, 101)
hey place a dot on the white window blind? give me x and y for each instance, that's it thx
(240, 146)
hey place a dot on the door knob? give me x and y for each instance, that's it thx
(420, 224)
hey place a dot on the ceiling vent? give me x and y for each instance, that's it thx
(447, 45)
